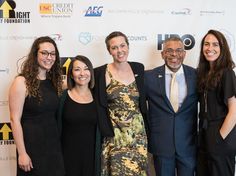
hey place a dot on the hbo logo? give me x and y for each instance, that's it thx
(188, 40)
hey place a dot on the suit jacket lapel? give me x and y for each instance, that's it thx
(160, 75)
(188, 79)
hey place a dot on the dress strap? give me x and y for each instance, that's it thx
(109, 73)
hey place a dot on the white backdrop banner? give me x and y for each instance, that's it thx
(80, 27)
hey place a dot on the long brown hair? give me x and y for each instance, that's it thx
(210, 78)
(30, 69)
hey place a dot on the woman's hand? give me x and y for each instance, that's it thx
(25, 162)
(230, 120)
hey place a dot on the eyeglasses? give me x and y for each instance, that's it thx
(46, 54)
(170, 51)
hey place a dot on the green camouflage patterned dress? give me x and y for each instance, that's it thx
(126, 153)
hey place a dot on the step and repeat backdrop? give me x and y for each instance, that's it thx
(80, 27)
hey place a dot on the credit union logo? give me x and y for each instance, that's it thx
(56, 9)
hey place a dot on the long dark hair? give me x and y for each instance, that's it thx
(30, 69)
(209, 78)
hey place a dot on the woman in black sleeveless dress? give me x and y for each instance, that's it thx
(33, 101)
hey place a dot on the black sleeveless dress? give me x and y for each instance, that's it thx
(41, 135)
(78, 137)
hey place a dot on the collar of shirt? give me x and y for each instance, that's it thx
(168, 71)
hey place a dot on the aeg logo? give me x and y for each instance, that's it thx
(94, 11)
(188, 40)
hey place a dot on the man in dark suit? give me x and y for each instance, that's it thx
(172, 112)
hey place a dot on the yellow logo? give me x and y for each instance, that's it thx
(9, 15)
(7, 9)
(45, 8)
(5, 130)
(66, 64)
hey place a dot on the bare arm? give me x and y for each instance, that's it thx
(230, 119)
(17, 95)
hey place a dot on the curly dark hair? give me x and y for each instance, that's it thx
(30, 71)
(209, 78)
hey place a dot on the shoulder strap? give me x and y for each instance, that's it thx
(109, 73)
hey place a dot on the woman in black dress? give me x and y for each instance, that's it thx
(33, 101)
(217, 88)
(78, 118)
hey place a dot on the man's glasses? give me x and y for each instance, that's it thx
(170, 51)
(46, 54)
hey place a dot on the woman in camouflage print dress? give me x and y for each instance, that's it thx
(126, 152)
(119, 87)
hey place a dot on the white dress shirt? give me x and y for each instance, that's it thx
(180, 78)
